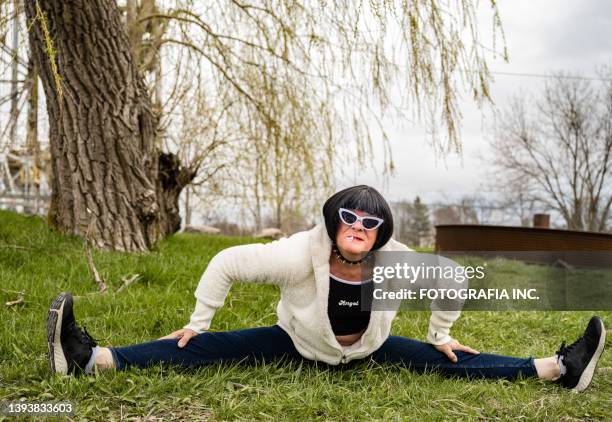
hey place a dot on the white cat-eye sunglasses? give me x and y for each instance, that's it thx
(349, 218)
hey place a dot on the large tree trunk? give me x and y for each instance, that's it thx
(109, 179)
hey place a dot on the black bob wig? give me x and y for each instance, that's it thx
(362, 198)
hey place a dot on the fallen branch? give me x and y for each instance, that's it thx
(92, 267)
(90, 262)
(23, 248)
(17, 301)
(128, 281)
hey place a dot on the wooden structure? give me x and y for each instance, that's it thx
(529, 244)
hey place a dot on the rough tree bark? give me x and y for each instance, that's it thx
(109, 178)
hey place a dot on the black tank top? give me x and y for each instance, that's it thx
(344, 305)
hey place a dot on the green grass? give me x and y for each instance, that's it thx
(42, 263)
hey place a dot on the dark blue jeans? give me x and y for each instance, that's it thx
(273, 343)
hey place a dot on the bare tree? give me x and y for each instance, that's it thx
(286, 93)
(515, 200)
(146, 36)
(462, 213)
(558, 149)
(309, 77)
(15, 70)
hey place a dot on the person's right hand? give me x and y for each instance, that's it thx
(184, 334)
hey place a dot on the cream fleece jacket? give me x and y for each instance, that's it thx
(299, 265)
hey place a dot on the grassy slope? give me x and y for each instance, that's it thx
(42, 263)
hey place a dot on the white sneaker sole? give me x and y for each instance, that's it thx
(57, 360)
(587, 374)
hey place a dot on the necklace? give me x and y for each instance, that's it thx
(346, 261)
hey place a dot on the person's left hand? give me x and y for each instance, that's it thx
(447, 349)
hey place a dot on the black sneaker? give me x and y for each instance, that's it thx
(70, 347)
(580, 358)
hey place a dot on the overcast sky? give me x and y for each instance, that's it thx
(542, 37)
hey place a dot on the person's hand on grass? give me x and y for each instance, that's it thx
(447, 349)
(184, 334)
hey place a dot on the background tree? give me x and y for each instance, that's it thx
(310, 77)
(558, 149)
(420, 222)
(513, 198)
(22, 160)
(412, 222)
(402, 217)
(14, 70)
(146, 36)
